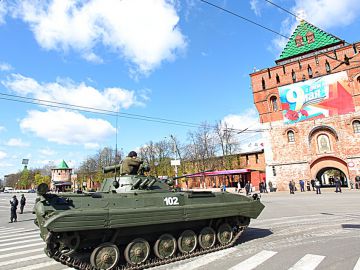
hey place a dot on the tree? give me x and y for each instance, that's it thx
(24, 179)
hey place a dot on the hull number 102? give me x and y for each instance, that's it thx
(171, 201)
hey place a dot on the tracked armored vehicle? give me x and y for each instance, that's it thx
(138, 222)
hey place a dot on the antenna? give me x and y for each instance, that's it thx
(116, 139)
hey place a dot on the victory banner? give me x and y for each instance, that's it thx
(316, 98)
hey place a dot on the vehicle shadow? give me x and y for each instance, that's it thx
(350, 226)
(253, 233)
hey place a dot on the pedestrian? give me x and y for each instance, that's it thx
(313, 184)
(265, 187)
(247, 188)
(337, 184)
(294, 185)
(261, 187)
(308, 185)
(302, 185)
(238, 187)
(22, 203)
(271, 186)
(318, 186)
(13, 206)
(291, 187)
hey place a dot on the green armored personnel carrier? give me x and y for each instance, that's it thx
(138, 222)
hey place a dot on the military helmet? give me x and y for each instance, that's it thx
(132, 154)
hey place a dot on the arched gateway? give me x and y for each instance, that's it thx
(327, 168)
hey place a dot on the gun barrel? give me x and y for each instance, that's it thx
(111, 168)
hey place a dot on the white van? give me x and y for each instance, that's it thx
(8, 189)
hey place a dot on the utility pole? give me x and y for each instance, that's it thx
(175, 162)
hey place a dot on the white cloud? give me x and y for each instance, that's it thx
(16, 143)
(66, 91)
(65, 127)
(144, 32)
(249, 119)
(3, 12)
(254, 5)
(47, 152)
(329, 13)
(91, 146)
(2, 154)
(5, 66)
(324, 14)
(2, 128)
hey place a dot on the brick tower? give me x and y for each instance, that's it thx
(309, 104)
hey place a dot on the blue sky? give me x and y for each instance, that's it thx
(179, 60)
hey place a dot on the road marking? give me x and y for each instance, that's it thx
(37, 266)
(357, 265)
(16, 231)
(19, 260)
(204, 260)
(19, 238)
(20, 242)
(22, 246)
(308, 262)
(254, 261)
(21, 253)
(22, 234)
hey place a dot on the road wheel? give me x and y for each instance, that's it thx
(165, 246)
(137, 251)
(224, 234)
(187, 241)
(207, 237)
(105, 256)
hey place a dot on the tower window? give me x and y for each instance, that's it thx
(310, 72)
(293, 75)
(263, 84)
(299, 41)
(277, 78)
(274, 105)
(284, 70)
(327, 67)
(310, 37)
(291, 136)
(269, 73)
(356, 126)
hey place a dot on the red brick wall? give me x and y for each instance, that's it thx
(295, 161)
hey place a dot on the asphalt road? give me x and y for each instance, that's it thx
(300, 231)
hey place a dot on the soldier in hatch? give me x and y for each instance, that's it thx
(131, 164)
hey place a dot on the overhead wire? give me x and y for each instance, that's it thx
(62, 105)
(243, 18)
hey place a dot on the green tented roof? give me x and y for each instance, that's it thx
(63, 165)
(321, 39)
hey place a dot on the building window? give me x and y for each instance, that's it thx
(299, 41)
(284, 70)
(291, 136)
(269, 73)
(274, 105)
(327, 67)
(263, 84)
(247, 160)
(300, 66)
(257, 158)
(356, 126)
(293, 75)
(358, 79)
(310, 72)
(310, 37)
(277, 78)
(323, 143)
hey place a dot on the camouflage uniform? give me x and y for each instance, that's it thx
(130, 165)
